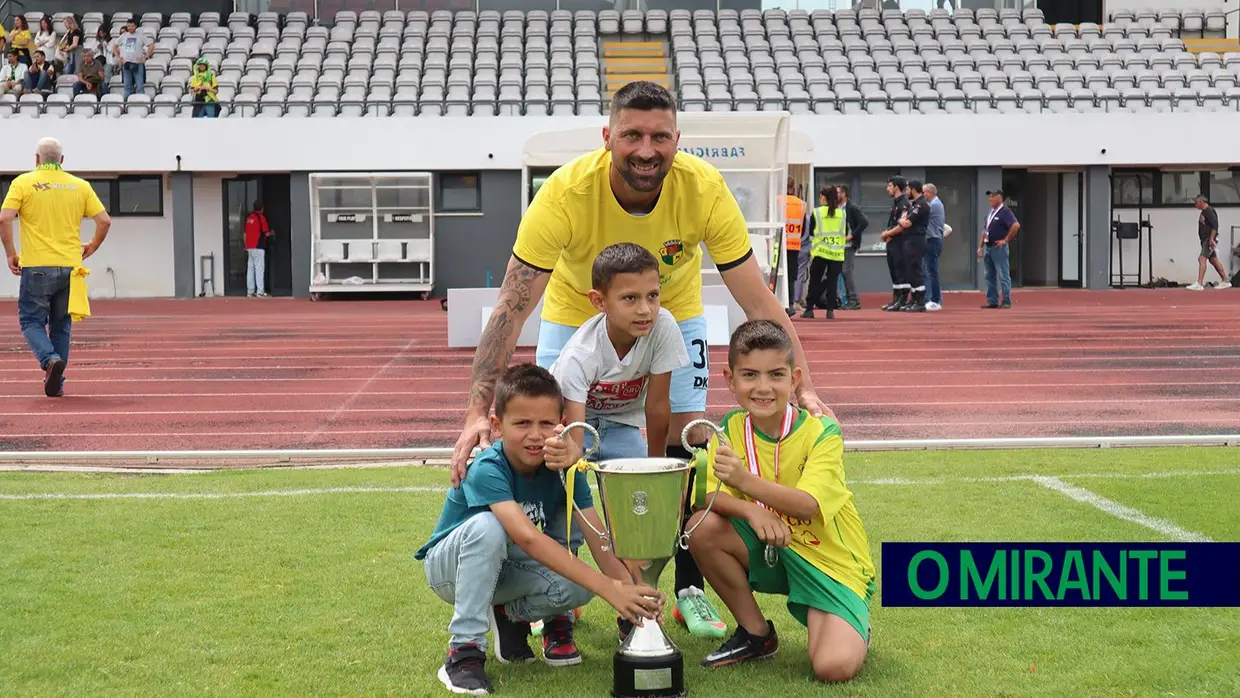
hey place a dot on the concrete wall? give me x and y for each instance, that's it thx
(468, 245)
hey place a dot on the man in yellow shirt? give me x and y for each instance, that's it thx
(637, 188)
(51, 204)
(784, 521)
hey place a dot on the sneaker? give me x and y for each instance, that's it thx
(464, 671)
(694, 610)
(559, 649)
(53, 377)
(1223, 284)
(1006, 304)
(990, 306)
(510, 638)
(1195, 287)
(742, 647)
(932, 306)
(536, 628)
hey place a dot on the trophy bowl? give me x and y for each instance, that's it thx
(643, 508)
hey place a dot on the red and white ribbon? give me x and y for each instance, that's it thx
(751, 450)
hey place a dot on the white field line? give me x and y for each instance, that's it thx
(307, 492)
(1120, 511)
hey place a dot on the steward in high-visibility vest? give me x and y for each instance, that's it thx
(794, 228)
(829, 228)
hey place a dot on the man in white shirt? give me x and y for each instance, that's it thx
(13, 75)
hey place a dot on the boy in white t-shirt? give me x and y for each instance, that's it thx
(616, 370)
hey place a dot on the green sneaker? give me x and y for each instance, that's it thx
(536, 627)
(697, 614)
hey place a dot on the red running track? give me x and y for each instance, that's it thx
(280, 373)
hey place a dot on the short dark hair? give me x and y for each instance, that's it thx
(620, 258)
(915, 185)
(757, 335)
(845, 190)
(898, 181)
(525, 380)
(642, 95)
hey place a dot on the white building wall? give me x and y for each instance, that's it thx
(135, 261)
(209, 228)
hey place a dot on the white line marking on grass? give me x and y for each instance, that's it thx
(440, 490)
(1121, 511)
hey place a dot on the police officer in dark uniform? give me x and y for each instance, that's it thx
(916, 224)
(895, 242)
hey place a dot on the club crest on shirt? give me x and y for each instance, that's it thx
(671, 252)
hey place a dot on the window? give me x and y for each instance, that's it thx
(103, 189)
(1132, 189)
(1179, 188)
(131, 196)
(460, 192)
(1225, 188)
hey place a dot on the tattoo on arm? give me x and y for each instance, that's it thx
(517, 296)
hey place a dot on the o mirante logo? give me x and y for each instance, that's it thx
(1061, 574)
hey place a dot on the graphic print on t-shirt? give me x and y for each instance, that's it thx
(535, 512)
(605, 397)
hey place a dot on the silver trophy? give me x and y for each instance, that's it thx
(643, 503)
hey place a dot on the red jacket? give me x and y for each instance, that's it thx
(256, 224)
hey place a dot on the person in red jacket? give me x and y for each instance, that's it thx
(257, 238)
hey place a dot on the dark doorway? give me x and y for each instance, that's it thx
(240, 193)
(1015, 184)
(1071, 11)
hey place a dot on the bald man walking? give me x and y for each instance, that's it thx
(51, 204)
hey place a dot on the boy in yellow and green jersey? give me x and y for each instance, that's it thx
(784, 521)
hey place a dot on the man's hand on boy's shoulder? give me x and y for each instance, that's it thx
(808, 400)
(560, 453)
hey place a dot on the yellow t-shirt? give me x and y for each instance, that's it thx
(575, 215)
(51, 204)
(20, 39)
(811, 459)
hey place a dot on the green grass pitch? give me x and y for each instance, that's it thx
(309, 587)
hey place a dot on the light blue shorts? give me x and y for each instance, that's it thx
(689, 384)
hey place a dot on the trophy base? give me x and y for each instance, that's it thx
(649, 677)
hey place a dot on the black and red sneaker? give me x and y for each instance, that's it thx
(559, 649)
(744, 646)
(464, 671)
(510, 638)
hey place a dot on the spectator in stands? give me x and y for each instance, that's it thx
(257, 238)
(934, 248)
(856, 225)
(205, 90)
(41, 77)
(105, 52)
(51, 204)
(13, 75)
(20, 39)
(90, 77)
(133, 48)
(45, 40)
(70, 49)
(637, 188)
(1001, 227)
(1207, 232)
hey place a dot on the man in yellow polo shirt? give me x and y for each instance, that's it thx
(51, 204)
(637, 188)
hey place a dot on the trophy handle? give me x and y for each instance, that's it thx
(603, 535)
(684, 441)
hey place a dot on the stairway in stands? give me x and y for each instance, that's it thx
(627, 58)
(1219, 46)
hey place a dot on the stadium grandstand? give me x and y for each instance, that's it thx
(1085, 114)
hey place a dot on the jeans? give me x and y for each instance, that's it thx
(850, 284)
(477, 566)
(38, 82)
(43, 311)
(930, 262)
(997, 273)
(206, 110)
(619, 440)
(255, 267)
(134, 75)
